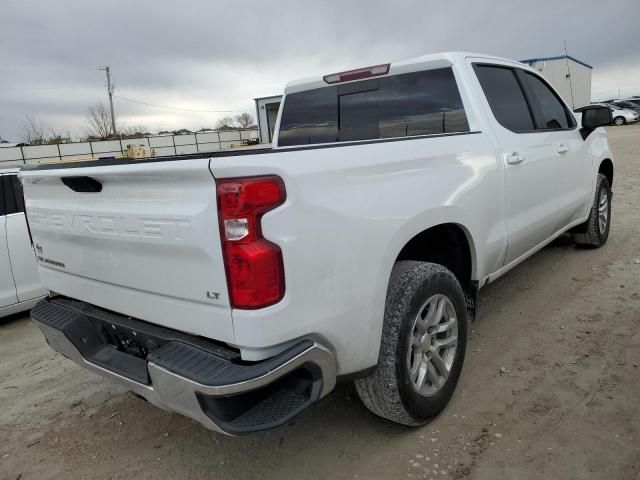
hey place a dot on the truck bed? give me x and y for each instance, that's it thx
(232, 153)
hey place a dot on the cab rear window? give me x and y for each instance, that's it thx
(410, 104)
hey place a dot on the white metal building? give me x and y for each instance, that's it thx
(569, 76)
(267, 113)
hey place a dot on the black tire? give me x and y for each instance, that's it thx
(619, 121)
(389, 392)
(591, 234)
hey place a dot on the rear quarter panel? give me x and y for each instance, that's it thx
(349, 211)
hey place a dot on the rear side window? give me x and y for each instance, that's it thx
(417, 103)
(551, 113)
(505, 97)
(310, 117)
(11, 195)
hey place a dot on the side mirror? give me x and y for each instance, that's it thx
(594, 117)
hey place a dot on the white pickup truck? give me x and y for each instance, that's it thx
(237, 287)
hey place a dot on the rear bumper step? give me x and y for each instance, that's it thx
(187, 374)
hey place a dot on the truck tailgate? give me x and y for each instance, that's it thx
(146, 245)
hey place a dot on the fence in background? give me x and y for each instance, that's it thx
(162, 145)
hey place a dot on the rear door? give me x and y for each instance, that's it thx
(530, 160)
(7, 286)
(21, 254)
(573, 179)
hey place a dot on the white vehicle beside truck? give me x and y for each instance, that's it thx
(237, 288)
(20, 286)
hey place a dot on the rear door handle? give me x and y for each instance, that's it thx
(515, 159)
(563, 149)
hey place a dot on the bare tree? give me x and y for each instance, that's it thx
(34, 131)
(225, 123)
(37, 132)
(56, 138)
(245, 120)
(131, 131)
(99, 122)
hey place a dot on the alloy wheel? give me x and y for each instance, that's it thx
(434, 341)
(603, 210)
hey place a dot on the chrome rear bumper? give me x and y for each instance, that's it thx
(222, 395)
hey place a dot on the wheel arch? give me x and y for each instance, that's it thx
(606, 168)
(447, 244)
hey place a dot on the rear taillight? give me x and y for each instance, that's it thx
(254, 268)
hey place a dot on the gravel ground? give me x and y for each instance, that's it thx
(550, 389)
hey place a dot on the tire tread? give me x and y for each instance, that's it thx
(590, 237)
(380, 391)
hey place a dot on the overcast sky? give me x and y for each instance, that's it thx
(219, 55)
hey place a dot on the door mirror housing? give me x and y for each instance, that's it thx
(594, 117)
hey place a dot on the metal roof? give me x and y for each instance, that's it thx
(267, 98)
(529, 61)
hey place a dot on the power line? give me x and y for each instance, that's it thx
(176, 108)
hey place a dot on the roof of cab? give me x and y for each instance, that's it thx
(9, 170)
(424, 62)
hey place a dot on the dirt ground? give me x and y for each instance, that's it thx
(550, 389)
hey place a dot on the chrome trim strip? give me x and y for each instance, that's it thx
(315, 354)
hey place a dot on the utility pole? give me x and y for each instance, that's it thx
(110, 92)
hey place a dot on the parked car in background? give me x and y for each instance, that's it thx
(623, 116)
(634, 100)
(20, 286)
(620, 116)
(238, 287)
(626, 105)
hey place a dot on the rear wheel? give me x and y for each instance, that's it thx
(595, 231)
(423, 345)
(619, 121)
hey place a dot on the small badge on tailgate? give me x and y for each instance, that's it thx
(41, 258)
(213, 295)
